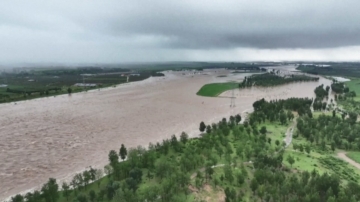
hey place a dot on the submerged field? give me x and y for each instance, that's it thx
(25, 85)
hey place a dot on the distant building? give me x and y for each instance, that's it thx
(86, 84)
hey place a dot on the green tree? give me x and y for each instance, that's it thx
(78, 178)
(228, 174)
(66, 190)
(199, 179)
(184, 137)
(92, 196)
(74, 184)
(290, 115)
(254, 185)
(237, 118)
(301, 147)
(113, 157)
(50, 191)
(295, 146)
(81, 198)
(123, 152)
(277, 142)
(17, 198)
(202, 127)
(98, 175)
(307, 148)
(69, 90)
(216, 181)
(208, 129)
(29, 197)
(263, 130)
(240, 178)
(333, 146)
(208, 171)
(86, 177)
(232, 119)
(283, 117)
(111, 189)
(290, 160)
(108, 170)
(92, 173)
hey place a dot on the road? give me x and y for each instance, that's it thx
(289, 133)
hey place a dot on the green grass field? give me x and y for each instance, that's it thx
(215, 89)
(354, 156)
(352, 104)
(354, 85)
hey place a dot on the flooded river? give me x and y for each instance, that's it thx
(59, 136)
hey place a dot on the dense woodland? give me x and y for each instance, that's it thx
(271, 79)
(342, 91)
(321, 97)
(250, 168)
(331, 132)
(346, 69)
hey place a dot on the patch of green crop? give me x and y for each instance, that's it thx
(215, 89)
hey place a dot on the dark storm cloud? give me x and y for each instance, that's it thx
(111, 31)
(259, 24)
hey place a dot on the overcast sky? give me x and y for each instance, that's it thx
(88, 31)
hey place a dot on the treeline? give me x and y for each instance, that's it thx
(276, 110)
(77, 71)
(247, 67)
(342, 91)
(320, 94)
(270, 79)
(334, 69)
(31, 91)
(339, 88)
(331, 132)
(271, 184)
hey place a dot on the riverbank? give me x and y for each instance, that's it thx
(63, 135)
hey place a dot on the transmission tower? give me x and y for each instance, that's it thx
(232, 99)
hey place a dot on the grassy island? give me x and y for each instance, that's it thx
(215, 89)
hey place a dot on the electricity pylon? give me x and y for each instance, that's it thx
(232, 98)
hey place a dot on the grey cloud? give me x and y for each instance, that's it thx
(303, 25)
(168, 29)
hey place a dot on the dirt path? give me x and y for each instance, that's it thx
(343, 156)
(289, 133)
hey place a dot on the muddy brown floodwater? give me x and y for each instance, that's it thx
(59, 136)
